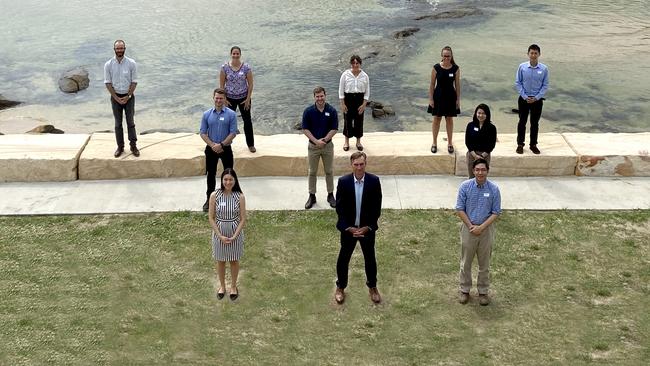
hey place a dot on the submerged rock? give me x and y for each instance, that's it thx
(74, 80)
(6, 103)
(407, 32)
(380, 110)
(45, 129)
(452, 14)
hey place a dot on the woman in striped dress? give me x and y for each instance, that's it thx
(227, 216)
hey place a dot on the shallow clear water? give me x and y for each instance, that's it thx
(597, 52)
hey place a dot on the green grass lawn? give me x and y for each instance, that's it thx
(568, 288)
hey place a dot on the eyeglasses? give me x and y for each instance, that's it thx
(446, 56)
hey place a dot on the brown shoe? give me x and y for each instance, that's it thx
(483, 300)
(374, 295)
(463, 298)
(118, 152)
(534, 149)
(135, 151)
(339, 296)
(520, 149)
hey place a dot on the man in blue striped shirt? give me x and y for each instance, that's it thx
(478, 205)
(218, 129)
(531, 82)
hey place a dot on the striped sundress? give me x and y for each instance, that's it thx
(227, 218)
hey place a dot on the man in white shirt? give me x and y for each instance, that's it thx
(121, 78)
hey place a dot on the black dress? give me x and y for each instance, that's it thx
(444, 96)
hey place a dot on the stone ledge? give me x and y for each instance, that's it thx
(557, 157)
(163, 155)
(611, 154)
(40, 158)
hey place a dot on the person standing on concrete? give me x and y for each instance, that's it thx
(121, 79)
(320, 123)
(478, 205)
(531, 82)
(218, 129)
(480, 137)
(358, 206)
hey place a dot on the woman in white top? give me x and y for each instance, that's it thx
(354, 91)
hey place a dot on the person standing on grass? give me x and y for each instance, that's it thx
(478, 205)
(218, 129)
(227, 217)
(531, 82)
(320, 123)
(358, 206)
(121, 79)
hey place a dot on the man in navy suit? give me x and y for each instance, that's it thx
(358, 206)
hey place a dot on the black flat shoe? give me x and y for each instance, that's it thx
(434, 149)
(450, 149)
(221, 295)
(234, 297)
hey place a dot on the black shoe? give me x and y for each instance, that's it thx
(220, 295)
(118, 152)
(534, 149)
(331, 200)
(135, 151)
(206, 206)
(520, 149)
(234, 297)
(310, 201)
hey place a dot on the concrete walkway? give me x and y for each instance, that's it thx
(290, 193)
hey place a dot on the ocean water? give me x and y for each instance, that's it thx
(597, 52)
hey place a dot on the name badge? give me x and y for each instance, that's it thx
(222, 203)
(241, 73)
(539, 72)
(451, 75)
(327, 114)
(221, 119)
(476, 129)
(486, 195)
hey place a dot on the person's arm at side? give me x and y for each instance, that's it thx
(232, 129)
(468, 140)
(132, 87)
(134, 81)
(242, 216)
(465, 219)
(366, 95)
(457, 87)
(344, 108)
(492, 139)
(342, 224)
(432, 86)
(519, 83)
(542, 91)
(213, 220)
(249, 80)
(334, 127)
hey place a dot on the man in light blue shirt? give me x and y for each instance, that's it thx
(218, 129)
(478, 205)
(531, 82)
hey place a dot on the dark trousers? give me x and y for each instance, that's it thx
(535, 110)
(127, 109)
(211, 161)
(353, 121)
(246, 116)
(348, 243)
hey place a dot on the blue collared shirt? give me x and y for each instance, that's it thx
(320, 123)
(120, 74)
(218, 125)
(532, 81)
(358, 194)
(478, 202)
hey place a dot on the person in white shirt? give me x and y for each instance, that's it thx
(121, 78)
(354, 91)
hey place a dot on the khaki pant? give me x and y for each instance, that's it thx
(470, 162)
(314, 154)
(481, 246)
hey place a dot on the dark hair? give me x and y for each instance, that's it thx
(356, 58)
(319, 89)
(447, 48)
(534, 47)
(219, 91)
(358, 154)
(481, 161)
(485, 109)
(119, 41)
(231, 171)
(235, 48)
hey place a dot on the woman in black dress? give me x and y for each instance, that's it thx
(444, 96)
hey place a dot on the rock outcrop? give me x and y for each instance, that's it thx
(74, 80)
(45, 129)
(6, 103)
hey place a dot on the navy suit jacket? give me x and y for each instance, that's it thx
(346, 206)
